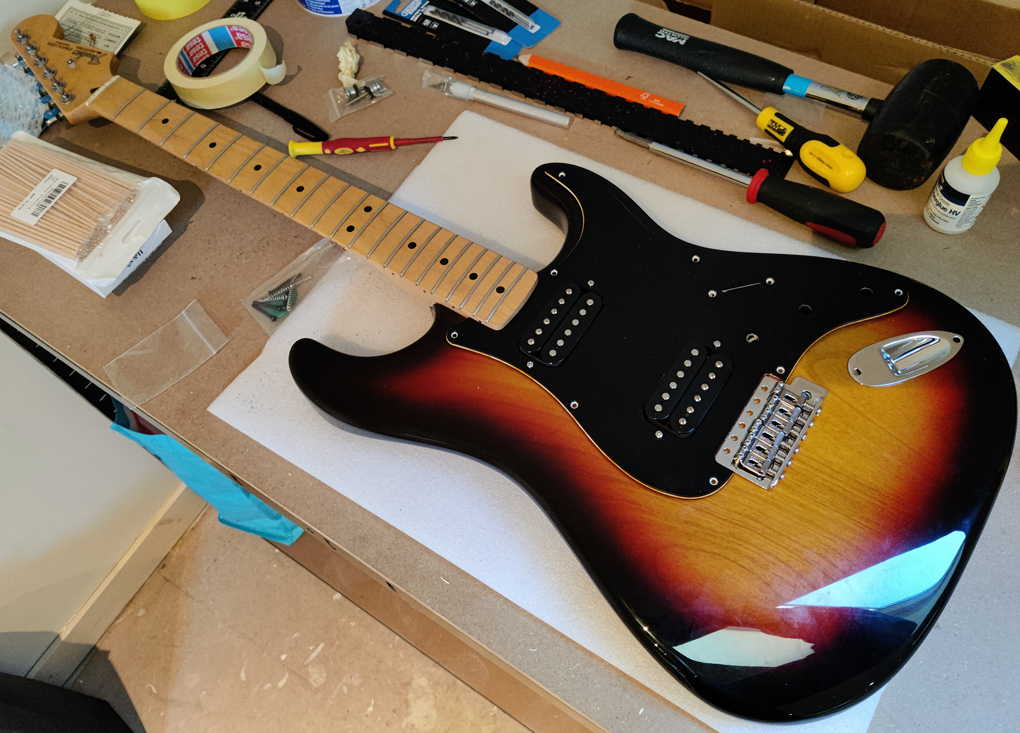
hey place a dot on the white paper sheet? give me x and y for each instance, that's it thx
(458, 507)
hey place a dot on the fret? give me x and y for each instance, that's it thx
(457, 270)
(475, 277)
(206, 150)
(430, 280)
(511, 300)
(361, 215)
(435, 248)
(417, 243)
(372, 231)
(454, 271)
(188, 134)
(313, 209)
(487, 284)
(339, 210)
(234, 159)
(393, 243)
(276, 181)
(308, 194)
(256, 169)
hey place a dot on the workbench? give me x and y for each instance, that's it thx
(224, 244)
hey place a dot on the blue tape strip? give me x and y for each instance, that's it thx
(508, 52)
(219, 39)
(796, 85)
(236, 507)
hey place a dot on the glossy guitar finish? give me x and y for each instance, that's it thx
(725, 590)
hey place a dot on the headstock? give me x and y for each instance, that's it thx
(69, 72)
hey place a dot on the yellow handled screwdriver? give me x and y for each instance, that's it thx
(831, 162)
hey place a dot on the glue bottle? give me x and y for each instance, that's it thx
(965, 185)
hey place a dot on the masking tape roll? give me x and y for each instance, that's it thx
(258, 68)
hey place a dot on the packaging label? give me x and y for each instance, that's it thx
(951, 210)
(87, 25)
(43, 196)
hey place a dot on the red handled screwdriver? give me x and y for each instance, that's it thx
(834, 216)
(351, 145)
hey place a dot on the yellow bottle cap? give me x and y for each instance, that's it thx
(983, 154)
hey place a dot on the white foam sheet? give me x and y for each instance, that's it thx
(462, 509)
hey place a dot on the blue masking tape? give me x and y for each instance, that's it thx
(796, 85)
(236, 507)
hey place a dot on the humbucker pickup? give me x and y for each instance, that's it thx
(688, 389)
(556, 332)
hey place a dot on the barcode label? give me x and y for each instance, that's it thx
(43, 196)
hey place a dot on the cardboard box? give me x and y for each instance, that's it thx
(842, 40)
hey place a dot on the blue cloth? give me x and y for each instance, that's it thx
(237, 508)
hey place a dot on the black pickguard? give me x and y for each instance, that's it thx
(655, 298)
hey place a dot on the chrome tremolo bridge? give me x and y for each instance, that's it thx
(770, 428)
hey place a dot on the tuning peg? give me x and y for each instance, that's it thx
(48, 73)
(21, 37)
(39, 61)
(31, 50)
(66, 97)
(58, 85)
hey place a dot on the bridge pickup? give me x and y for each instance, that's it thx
(667, 395)
(768, 432)
(703, 389)
(565, 338)
(546, 324)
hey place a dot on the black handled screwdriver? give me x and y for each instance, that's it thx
(835, 217)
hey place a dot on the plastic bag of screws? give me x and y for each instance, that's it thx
(275, 299)
(342, 101)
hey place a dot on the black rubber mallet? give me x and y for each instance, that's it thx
(910, 133)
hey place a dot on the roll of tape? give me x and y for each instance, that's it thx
(258, 68)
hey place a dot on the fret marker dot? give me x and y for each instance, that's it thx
(473, 276)
(412, 245)
(165, 120)
(444, 261)
(258, 167)
(300, 189)
(500, 289)
(212, 145)
(368, 209)
(350, 228)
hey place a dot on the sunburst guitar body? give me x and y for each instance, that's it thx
(779, 597)
(774, 467)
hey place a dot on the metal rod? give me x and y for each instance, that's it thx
(687, 158)
(736, 97)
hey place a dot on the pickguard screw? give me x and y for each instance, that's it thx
(713, 481)
(658, 434)
(453, 334)
(897, 292)
(770, 281)
(591, 283)
(531, 364)
(751, 338)
(562, 174)
(70, 62)
(717, 344)
(554, 273)
(695, 258)
(573, 405)
(712, 293)
(780, 370)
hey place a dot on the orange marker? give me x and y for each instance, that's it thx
(604, 85)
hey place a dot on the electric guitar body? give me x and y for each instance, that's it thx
(778, 603)
(774, 467)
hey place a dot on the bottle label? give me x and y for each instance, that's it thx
(950, 210)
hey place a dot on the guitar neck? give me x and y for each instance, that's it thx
(451, 270)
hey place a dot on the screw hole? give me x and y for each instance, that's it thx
(805, 309)
(957, 339)
(857, 372)
(867, 292)
(390, 586)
